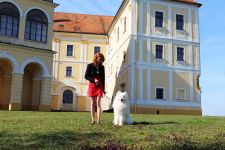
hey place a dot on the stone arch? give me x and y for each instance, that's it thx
(44, 67)
(6, 72)
(17, 5)
(15, 63)
(45, 12)
(68, 84)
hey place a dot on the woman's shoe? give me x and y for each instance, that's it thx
(93, 122)
(98, 122)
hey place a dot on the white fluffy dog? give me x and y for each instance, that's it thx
(121, 107)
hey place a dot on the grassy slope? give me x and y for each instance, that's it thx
(64, 130)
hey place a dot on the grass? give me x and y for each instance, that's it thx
(72, 130)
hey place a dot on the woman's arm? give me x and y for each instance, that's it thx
(88, 74)
(103, 78)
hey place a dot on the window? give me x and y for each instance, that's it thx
(68, 97)
(124, 56)
(158, 19)
(198, 84)
(180, 94)
(159, 93)
(69, 50)
(180, 54)
(97, 49)
(9, 19)
(68, 71)
(159, 52)
(118, 34)
(180, 22)
(36, 26)
(125, 25)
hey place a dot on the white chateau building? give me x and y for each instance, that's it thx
(151, 45)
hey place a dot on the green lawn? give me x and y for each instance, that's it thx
(72, 130)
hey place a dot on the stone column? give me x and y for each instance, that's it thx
(22, 29)
(7, 91)
(36, 91)
(16, 92)
(45, 100)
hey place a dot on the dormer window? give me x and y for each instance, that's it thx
(9, 19)
(36, 26)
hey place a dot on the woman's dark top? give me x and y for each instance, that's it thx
(92, 72)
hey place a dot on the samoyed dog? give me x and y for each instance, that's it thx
(121, 107)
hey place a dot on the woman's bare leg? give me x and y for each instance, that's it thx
(99, 109)
(93, 105)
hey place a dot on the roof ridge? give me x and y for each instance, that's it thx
(83, 14)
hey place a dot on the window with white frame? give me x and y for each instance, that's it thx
(68, 71)
(180, 54)
(118, 33)
(69, 50)
(181, 94)
(124, 24)
(97, 49)
(179, 22)
(159, 51)
(159, 93)
(158, 19)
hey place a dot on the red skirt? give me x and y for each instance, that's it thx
(95, 91)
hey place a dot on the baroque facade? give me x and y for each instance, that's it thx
(151, 45)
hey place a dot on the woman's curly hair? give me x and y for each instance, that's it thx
(98, 55)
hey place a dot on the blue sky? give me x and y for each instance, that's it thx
(212, 30)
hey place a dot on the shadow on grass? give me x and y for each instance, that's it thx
(191, 146)
(155, 123)
(183, 142)
(53, 140)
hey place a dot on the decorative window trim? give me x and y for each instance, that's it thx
(185, 94)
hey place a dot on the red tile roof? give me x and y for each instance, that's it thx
(82, 23)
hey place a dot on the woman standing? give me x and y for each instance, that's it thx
(95, 74)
